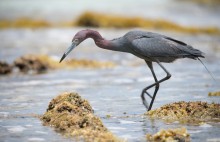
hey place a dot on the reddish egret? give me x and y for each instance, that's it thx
(149, 46)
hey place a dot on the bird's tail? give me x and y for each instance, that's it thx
(207, 70)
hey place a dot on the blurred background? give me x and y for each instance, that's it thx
(184, 12)
(46, 27)
(36, 25)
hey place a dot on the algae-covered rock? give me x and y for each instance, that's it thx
(5, 68)
(42, 63)
(170, 135)
(187, 112)
(29, 63)
(73, 116)
(214, 93)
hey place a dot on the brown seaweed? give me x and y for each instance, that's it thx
(5, 68)
(29, 63)
(187, 112)
(170, 135)
(214, 93)
(73, 116)
(42, 63)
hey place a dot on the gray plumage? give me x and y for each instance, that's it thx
(150, 46)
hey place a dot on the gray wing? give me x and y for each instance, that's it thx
(163, 48)
(154, 47)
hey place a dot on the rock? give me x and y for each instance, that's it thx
(187, 112)
(42, 63)
(5, 68)
(73, 116)
(170, 135)
(29, 63)
(214, 93)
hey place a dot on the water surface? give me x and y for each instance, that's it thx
(115, 91)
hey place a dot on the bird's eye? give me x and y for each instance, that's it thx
(76, 40)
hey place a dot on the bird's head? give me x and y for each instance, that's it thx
(77, 39)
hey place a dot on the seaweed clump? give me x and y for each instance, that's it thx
(73, 116)
(187, 112)
(214, 93)
(24, 23)
(170, 135)
(5, 68)
(42, 63)
(92, 19)
(29, 63)
(88, 63)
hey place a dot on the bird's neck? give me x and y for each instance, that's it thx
(94, 35)
(103, 43)
(111, 45)
(98, 39)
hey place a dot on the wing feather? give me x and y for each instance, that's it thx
(153, 45)
(156, 47)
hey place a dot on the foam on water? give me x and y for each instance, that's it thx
(36, 139)
(15, 129)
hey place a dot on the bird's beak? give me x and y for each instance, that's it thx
(74, 44)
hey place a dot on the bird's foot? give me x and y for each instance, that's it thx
(144, 100)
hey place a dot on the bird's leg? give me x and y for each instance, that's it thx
(156, 84)
(145, 89)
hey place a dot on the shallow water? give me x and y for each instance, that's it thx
(115, 91)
